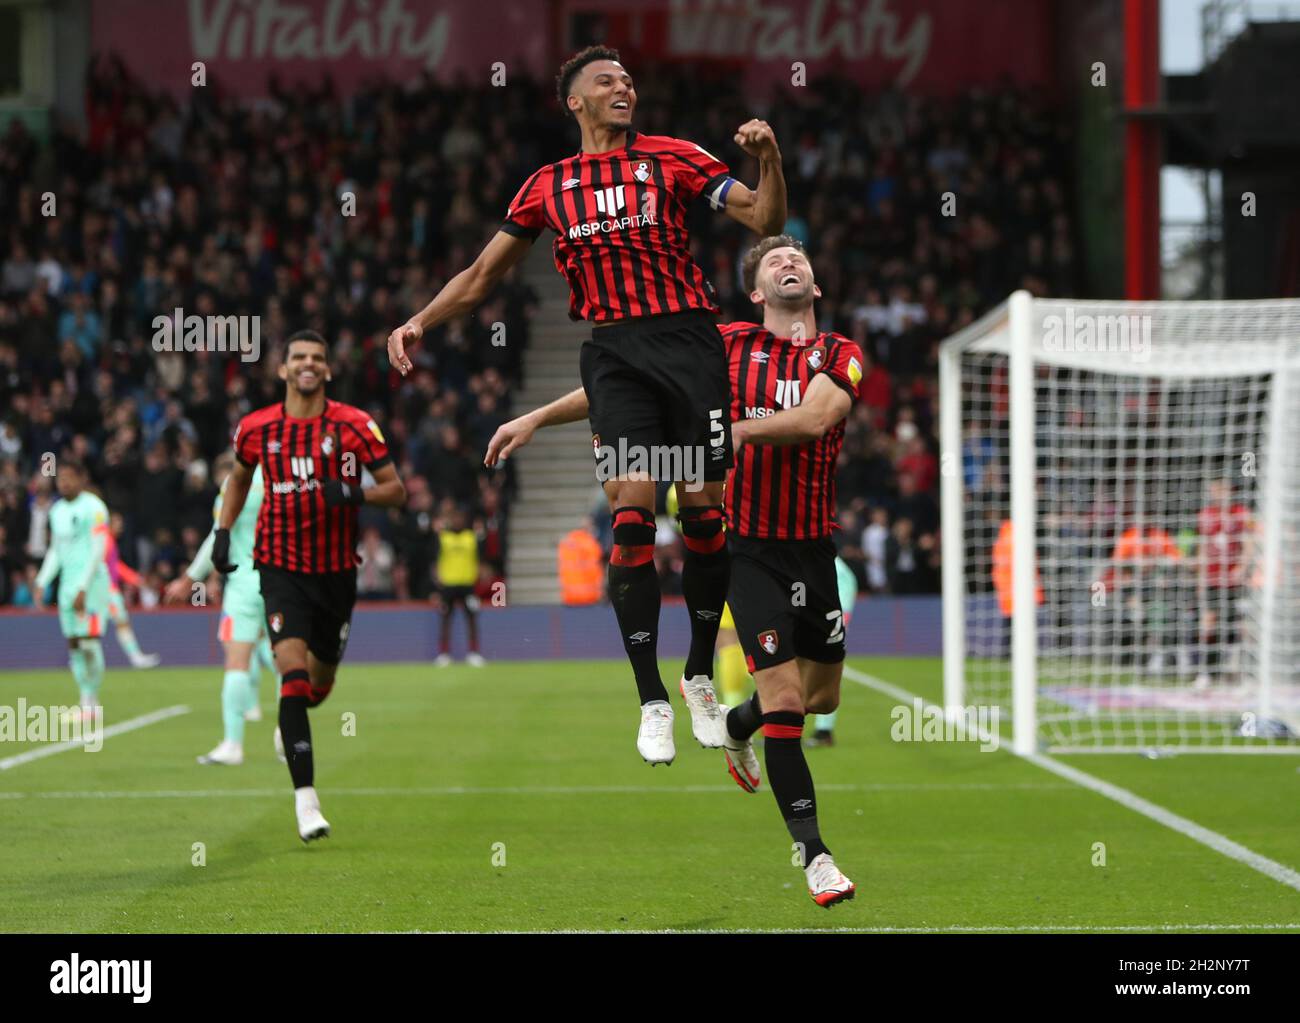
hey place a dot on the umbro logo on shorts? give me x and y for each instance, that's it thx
(705, 615)
(639, 637)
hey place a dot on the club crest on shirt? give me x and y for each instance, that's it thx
(642, 171)
(276, 621)
(816, 357)
(768, 641)
(595, 444)
(327, 445)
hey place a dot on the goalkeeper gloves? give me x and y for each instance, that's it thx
(337, 492)
(221, 552)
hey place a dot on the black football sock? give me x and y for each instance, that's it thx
(295, 730)
(744, 720)
(634, 594)
(791, 781)
(706, 573)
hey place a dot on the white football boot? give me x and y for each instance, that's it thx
(442, 661)
(145, 661)
(311, 824)
(654, 741)
(228, 754)
(826, 884)
(254, 713)
(706, 717)
(742, 762)
(474, 659)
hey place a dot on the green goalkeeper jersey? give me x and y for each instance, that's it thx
(78, 540)
(242, 535)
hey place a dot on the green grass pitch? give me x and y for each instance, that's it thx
(512, 798)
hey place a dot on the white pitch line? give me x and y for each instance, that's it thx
(61, 747)
(953, 929)
(522, 790)
(1280, 873)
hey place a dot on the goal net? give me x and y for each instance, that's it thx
(1121, 524)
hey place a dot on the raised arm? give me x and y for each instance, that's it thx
(464, 292)
(762, 209)
(519, 431)
(825, 404)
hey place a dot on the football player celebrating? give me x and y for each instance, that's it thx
(311, 451)
(655, 369)
(792, 387)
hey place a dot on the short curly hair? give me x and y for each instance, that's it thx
(570, 68)
(749, 265)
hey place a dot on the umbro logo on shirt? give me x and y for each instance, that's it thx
(569, 183)
(758, 356)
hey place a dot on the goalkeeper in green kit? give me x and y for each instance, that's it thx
(241, 629)
(78, 543)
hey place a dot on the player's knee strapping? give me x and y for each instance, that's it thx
(634, 537)
(296, 683)
(634, 595)
(702, 529)
(706, 574)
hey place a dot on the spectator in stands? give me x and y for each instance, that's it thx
(375, 572)
(218, 206)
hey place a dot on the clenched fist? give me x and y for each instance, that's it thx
(757, 139)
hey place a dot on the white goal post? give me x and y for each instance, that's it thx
(1121, 523)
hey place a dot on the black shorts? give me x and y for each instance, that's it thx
(316, 607)
(462, 595)
(659, 386)
(785, 600)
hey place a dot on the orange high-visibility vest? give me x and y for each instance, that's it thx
(1002, 571)
(582, 568)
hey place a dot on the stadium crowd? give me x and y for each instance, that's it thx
(345, 214)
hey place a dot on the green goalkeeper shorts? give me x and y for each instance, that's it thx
(91, 621)
(243, 614)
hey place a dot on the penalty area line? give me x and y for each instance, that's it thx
(1221, 844)
(130, 725)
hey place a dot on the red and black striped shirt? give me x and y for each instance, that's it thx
(784, 492)
(295, 529)
(620, 225)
